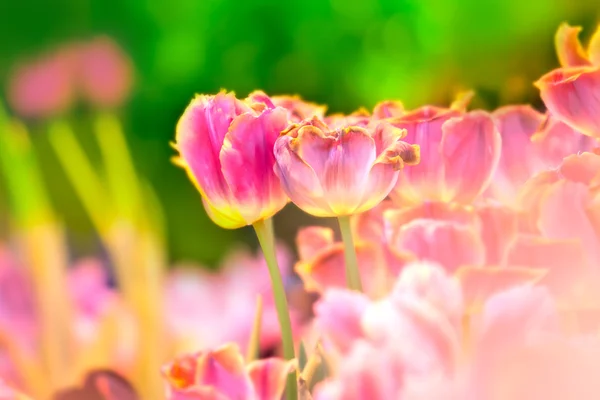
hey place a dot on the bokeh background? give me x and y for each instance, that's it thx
(346, 54)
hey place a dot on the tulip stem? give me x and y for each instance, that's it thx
(266, 238)
(352, 274)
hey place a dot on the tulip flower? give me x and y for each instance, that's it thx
(572, 93)
(226, 145)
(459, 154)
(105, 72)
(44, 87)
(337, 173)
(221, 374)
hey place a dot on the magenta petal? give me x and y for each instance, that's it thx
(247, 162)
(471, 147)
(200, 135)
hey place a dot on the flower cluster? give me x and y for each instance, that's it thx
(466, 266)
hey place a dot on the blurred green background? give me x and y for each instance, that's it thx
(344, 54)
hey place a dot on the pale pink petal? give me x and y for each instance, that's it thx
(424, 128)
(299, 180)
(341, 162)
(268, 377)
(470, 148)
(327, 270)
(571, 95)
(562, 260)
(338, 315)
(247, 162)
(481, 283)
(449, 244)
(555, 223)
(499, 227)
(568, 47)
(581, 168)
(556, 140)
(311, 240)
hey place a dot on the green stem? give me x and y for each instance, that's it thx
(352, 274)
(266, 238)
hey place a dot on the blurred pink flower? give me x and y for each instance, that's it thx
(44, 87)
(226, 146)
(220, 374)
(104, 72)
(450, 349)
(8, 393)
(459, 154)
(339, 172)
(226, 300)
(571, 93)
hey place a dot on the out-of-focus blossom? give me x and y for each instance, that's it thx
(104, 72)
(100, 385)
(340, 172)
(227, 148)
(8, 393)
(459, 154)
(220, 374)
(450, 349)
(227, 299)
(572, 93)
(44, 87)
(531, 143)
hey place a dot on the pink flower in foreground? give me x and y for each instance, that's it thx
(104, 72)
(572, 93)
(43, 88)
(227, 299)
(8, 393)
(426, 340)
(221, 374)
(339, 172)
(459, 154)
(227, 148)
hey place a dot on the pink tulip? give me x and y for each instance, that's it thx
(571, 93)
(298, 109)
(105, 72)
(43, 88)
(227, 298)
(221, 374)
(459, 153)
(227, 148)
(341, 172)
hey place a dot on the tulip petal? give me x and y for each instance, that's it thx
(327, 270)
(299, 180)
(200, 135)
(499, 227)
(581, 168)
(310, 241)
(338, 315)
(470, 143)
(571, 95)
(388, 109)
(269, 376)
(481, 283)
(554, 223)
(341, 163)
(568, 47)
(563, 260)
(449, 244)
(594, 48)
(247, 162)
